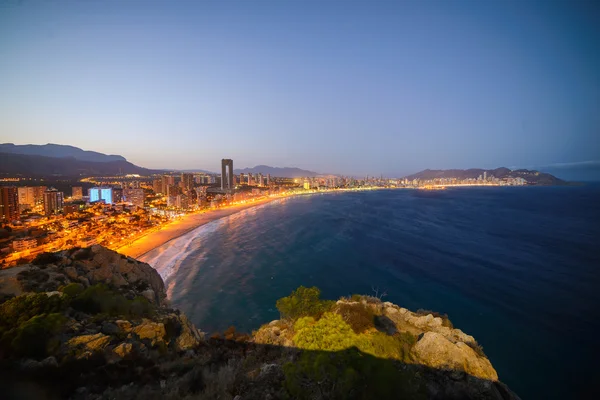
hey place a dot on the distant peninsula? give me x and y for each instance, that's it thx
(531, 176)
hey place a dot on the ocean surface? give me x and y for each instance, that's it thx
(517, 268)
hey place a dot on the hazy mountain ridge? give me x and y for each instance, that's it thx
(532, 176)
(59, 151)
(42, 166)
(282, 172)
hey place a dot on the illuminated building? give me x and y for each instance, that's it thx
(306, 185)
(77, 192)
(242, 178)
(227, 175)
(182, 202)
(9, 203)
(157, 186)
(23, 244)
(249, 178)
(53, 201)
(134, 196)
(39, 194)
(188, 181)
(166, 181)
(268, 179)
(101, 194)
(26, 196)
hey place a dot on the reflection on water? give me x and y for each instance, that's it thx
(505, 263)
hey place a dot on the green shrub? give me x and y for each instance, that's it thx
(360, 317)
(36, 338)
(100, 299)
(20, 309)
(328, 333)
(72, 289)
(303, 302)
(396, 347)
(348, 374)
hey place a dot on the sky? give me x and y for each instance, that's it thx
(345, 87)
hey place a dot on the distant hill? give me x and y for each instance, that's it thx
(531, 176)
(40, 166)
(277, 172)
(59, 151)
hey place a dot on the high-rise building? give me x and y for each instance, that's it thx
(249, 178)
(182, 202)
(9, 203)
(166, 180)
(53, 201)
(26, 196)
(260, 179)
(77, 192)
(485, 175)
(268, 179)
(134, 196)
(227, 175)
(39, 194)
(242, 182)
(101, 194)
(188, 181)
(157, 186)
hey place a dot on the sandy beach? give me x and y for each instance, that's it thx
(182, 226)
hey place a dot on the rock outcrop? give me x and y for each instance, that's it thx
(94, 324)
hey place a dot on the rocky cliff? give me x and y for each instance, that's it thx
(94, 324)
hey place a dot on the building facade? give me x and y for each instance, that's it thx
(9, 203)
(101, 194)
(53, 201)
(134, 196)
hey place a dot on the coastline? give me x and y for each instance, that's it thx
(188, 223)
(180, 227)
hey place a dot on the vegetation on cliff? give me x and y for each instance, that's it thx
(92, 324)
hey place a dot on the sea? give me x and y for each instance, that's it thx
(516, 267)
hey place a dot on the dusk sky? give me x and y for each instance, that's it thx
(335, 86)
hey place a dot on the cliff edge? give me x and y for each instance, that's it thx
(94, 324)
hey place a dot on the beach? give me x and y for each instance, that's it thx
(180, 227)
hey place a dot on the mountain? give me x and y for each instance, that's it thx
(277, 172)
(40, 166)
(531, 176)
(59, 151)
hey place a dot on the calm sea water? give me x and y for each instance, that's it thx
(518, 268)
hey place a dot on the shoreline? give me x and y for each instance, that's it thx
(181, 227)
(178, 228)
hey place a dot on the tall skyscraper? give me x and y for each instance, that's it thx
(39, 194)
(268, 179)
(249, 178)
(53, 201)
(157, 185)
(485, 175)
(9, 203)
(188, 181)
(227, 175)
(166, 181)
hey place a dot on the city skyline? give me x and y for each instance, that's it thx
(365, 89)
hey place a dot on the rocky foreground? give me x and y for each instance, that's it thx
(94, 324)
